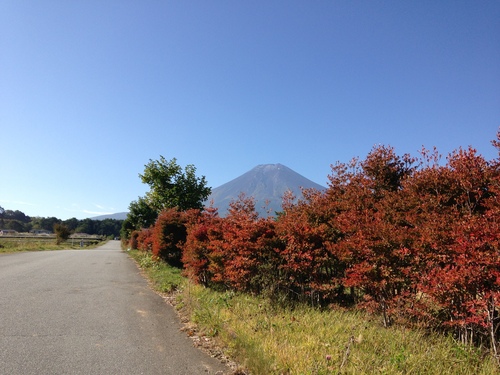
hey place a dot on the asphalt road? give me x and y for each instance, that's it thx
(89, 312)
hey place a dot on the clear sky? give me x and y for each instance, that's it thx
(91, 90)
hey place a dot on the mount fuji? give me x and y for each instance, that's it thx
(265, 182)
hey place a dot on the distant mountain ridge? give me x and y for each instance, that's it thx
(265, 182)
(117, 216)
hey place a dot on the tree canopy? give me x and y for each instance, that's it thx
(173, 187)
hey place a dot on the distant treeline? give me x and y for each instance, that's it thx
(20, 222)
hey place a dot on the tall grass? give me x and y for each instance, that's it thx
(266, 338)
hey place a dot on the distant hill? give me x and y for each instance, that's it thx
(264, 182)
(117, 216)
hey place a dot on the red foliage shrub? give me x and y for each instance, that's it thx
(201, 237)
(310, 270)
(246, 247)
(145, 240)
(169, 234)
(458, 265)
(411, 239)
(235, 252)
(132, 243)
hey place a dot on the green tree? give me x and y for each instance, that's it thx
(108, 227)
(71, 223)
(16, 215)
(126, 230)
(141, 214)
(86, 226)
(16, 225)
(173, 187)
(46, 223)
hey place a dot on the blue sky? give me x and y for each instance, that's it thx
(91, 90)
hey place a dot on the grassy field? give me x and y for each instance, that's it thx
(11, 245)
(266, 339)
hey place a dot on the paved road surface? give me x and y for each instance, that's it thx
(89, 312)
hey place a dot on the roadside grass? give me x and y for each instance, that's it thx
(33, 244)
(268, 339)
(164, 278)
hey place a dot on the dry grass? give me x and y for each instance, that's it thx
(34, 244)
(272, 340)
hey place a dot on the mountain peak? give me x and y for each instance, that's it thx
(270, 166)
(265, 183)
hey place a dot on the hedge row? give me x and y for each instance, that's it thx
(413, 239)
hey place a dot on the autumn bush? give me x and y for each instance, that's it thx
(236, 252)
(413, 239)
(246, 248)
(202, 236)
(62, 233)
(458, 247)
(374, 235)
(132, 242)
(169, 234)
(309, 270)
(145, 240)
